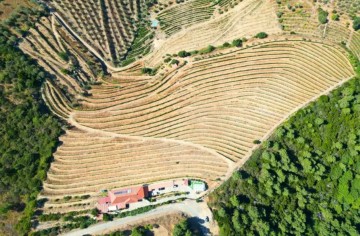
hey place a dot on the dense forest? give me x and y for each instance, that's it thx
(304, 180)
(28, 134)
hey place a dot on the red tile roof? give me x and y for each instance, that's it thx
(128, 195)
(104, 200)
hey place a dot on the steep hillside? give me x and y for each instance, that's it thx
(190, 97)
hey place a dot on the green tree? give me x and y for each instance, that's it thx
(356, 23)
(261, 35)
(237, 43)
(322, 16)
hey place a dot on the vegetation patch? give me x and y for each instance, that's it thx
(28, 131)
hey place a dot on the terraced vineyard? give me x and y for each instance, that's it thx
(200, 119)
(247, 19)
(184, 15)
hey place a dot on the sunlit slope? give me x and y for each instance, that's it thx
(247, 19)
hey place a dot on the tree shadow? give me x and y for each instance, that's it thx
(196, 224)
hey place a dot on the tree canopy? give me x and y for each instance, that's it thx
(28, 131)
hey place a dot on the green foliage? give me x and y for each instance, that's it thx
(356, 23)
(64, 56)
(237, 43)
(226, 45)
(183, 53)
(138, 231)
(94, 212)
(107, 217)
(208, 49)
(28, 132)
(305, 179)
(322, 16)
(182, 229)
(174, 61)
(335, 17)
(261, 35)
(149, 71)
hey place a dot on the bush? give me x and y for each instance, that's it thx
(149, 71)
(322, 16)
(226, 45)
(335, 17)
(257, 141)
(356, 23)
(107, 217)
(208, 49)
(183, 54)
(67, 198)
(64, 56)
(237, 42)
(174, 61)
(261, 35)
(94, 212)
(85, 196)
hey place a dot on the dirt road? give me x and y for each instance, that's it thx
(196, 211)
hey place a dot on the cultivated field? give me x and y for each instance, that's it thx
(197, 121)
(247, 19)
(185, 15)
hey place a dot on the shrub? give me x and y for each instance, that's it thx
(174, 61)
(64, 56)
(237, 42)
(149, 71)
(183, 54)
(94, 212)
(85, 196)
(107, 217)
(335, 17)
(261, 35)
(322, 16)
(356, 23)
(226, 45)
(208, 49)
(67, 198)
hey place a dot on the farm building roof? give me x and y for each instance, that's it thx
(128, 195)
